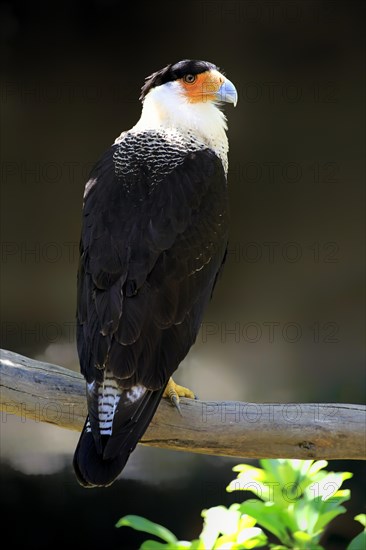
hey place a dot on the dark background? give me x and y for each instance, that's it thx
(287, 320)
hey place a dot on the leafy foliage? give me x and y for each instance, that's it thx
(296, 500)
(223, 528)
(359, 542)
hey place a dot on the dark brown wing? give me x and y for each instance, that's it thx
(153, 240)
(150, 253)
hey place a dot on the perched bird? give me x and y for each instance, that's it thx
(154, 237)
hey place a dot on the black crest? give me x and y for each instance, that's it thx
(174, 72)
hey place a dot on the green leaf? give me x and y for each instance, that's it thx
(226, 542)
(301, 536)
(360, 540)
(246, 521)
(255, 538)
(317, 466)
(219, 519)
(252, 537)
(358, 543)
(286, 471)
(328, 487)
(141, 524)
(361, 518)
(154, 545)
(249, 479)
(306, 515)
(327, 517)
(282, 481)
(268, 515)
(197, 545)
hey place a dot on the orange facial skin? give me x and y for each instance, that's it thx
(204, 88)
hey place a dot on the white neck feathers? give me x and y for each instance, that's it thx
(166, 108)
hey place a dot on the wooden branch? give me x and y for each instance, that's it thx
(48, 393)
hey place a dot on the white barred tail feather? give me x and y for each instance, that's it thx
(99, 461)
(90, 468)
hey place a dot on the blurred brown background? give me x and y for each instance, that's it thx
(287, 320)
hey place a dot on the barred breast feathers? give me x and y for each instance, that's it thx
(161, 150)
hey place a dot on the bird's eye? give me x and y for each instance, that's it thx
(189, 78)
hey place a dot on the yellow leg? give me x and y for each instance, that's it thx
(174, 391)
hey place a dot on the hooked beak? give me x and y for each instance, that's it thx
(227, 92)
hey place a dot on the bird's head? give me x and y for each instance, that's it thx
(186, 94)
(191, 82)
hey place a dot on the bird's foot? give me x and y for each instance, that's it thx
(174, 391)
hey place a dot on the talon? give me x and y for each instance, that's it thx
(175, 401)
(173, 391)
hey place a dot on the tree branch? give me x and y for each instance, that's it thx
(48, 393)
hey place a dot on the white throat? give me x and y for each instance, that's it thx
(166, 108)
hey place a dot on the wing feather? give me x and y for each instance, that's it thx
(150, 254)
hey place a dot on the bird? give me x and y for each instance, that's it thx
(154, 237)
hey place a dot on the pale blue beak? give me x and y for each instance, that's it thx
(227, 92)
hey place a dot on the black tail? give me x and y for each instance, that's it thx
(95, 469)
